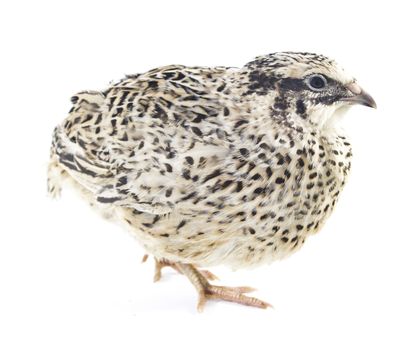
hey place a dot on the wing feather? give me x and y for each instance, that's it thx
(147, 142)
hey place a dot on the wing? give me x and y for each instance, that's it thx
(150, 140)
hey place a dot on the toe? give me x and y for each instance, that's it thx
(236, 295)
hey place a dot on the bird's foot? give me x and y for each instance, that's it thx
(208, 291)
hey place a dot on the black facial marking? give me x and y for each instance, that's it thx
(261, 83)
(301, 108)
(293, 84)
(281, 103)
(327, 99)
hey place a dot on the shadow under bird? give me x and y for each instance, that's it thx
(209, 166)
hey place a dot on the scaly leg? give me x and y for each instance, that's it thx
(208, 291)
(161, 263)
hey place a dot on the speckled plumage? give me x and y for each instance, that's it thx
(216, 165)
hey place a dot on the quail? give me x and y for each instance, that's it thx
(213, 165)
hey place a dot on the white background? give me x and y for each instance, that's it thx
(72, 281)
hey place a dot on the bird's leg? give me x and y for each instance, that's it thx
(208, 291)
(161, 263)
(208, 275)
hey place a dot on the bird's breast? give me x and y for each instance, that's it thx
(250, 213)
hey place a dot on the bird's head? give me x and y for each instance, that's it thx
(307, 87)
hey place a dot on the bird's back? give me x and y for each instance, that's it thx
(132, 145)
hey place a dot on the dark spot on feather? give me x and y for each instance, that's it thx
(226, 183)
(239, 186)
(215, 173)
(189, 196)
(243, 151)
(280, 180)
(181, 224)
(197, 131)
(240, 122)
(108, 199)
(122, 181)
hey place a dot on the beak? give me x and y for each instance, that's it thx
(359, 96)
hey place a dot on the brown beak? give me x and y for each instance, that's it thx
(359, 96)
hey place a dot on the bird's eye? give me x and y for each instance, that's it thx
(316, 82)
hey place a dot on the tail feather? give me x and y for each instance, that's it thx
(71, 157)
(54, 179)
